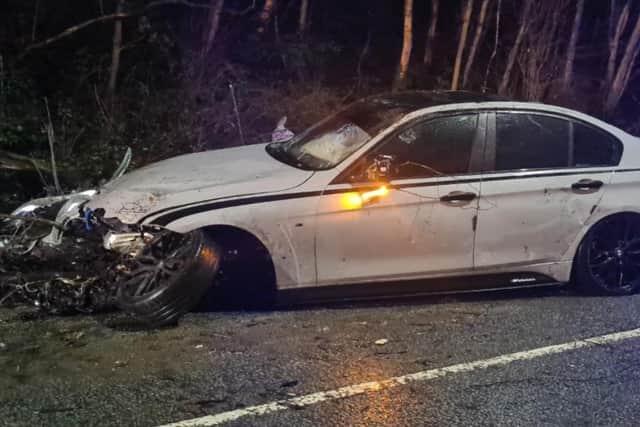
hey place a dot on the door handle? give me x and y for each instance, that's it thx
(458, 197)
(586, 185)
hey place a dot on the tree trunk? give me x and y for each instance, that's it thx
(34, 27)
(407, 41)
(431, 33)
(212, 28)
(615, 34)
(115, 54)
(513, 54)
(623, 73)
(302, 19)
(476, 42)
(464, 31)
(496, 42)
(266, 14)
(571, 51)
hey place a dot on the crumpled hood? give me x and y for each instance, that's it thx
(192, 178)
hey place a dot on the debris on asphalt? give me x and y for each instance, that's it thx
(291, 383)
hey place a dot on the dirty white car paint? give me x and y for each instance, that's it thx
(510, 228)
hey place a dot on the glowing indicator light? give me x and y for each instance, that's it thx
(353, 201)
(379, 192)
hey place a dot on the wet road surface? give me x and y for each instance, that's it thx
(102, 370)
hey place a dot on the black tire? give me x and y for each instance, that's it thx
(608, 258)
(176, 292)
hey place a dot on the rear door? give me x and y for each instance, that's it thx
(423, 225)
(544, 176)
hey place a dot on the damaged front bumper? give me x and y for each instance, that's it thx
(126, 243)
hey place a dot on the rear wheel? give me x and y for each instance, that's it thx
(608, 259)
(169, 277)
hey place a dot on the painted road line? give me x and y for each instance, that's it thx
(373, 386)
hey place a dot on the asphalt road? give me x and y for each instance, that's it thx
(103, 371)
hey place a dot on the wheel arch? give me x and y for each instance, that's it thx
(593, 221)
(294, 263)
(234, 238)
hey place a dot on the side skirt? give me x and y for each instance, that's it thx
(409, 288)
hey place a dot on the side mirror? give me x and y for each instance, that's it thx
(381, 169)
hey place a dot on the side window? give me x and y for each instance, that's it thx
(439, 146)
(594, 147)
(531, 141)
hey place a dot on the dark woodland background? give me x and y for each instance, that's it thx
(92, 77)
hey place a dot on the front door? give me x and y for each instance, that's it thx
(545, 176)
(421, 223)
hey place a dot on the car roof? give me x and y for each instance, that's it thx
(376, 112)
(418, 99)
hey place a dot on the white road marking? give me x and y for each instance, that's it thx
(373, 386)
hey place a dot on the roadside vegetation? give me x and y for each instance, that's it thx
(84, 80)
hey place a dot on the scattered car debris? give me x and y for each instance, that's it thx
(57, 280)
(74, 274)
(281, 133)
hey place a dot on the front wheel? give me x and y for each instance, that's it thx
(169, 277)
(608, 259)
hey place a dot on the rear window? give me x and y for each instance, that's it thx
(537, 141)
(593, 147)
(531, 141)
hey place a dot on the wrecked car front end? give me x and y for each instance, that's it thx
(156, 273)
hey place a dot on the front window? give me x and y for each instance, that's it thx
(436, 147)
(326, 144)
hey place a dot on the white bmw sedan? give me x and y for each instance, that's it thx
(404, 193)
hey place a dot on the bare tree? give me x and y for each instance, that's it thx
(34, 26)
(515, 49)
(407, 41)
(52, 152)
(617, 25)
(431, 32)
(212, 27)
(620, 78)
(266, 14)
(476, 41)
(541, 58)
(302, 19)
(571, 50)
(116, 49)
(496, 42)
(464, 31)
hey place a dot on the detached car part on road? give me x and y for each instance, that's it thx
(407, 193)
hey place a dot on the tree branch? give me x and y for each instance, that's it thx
(177, 2)
(72, 30)
(106, 18)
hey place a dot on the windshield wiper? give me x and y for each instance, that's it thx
(277, 151)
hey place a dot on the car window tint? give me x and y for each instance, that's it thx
(593, 147)
(531, 141)
(440, 146)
